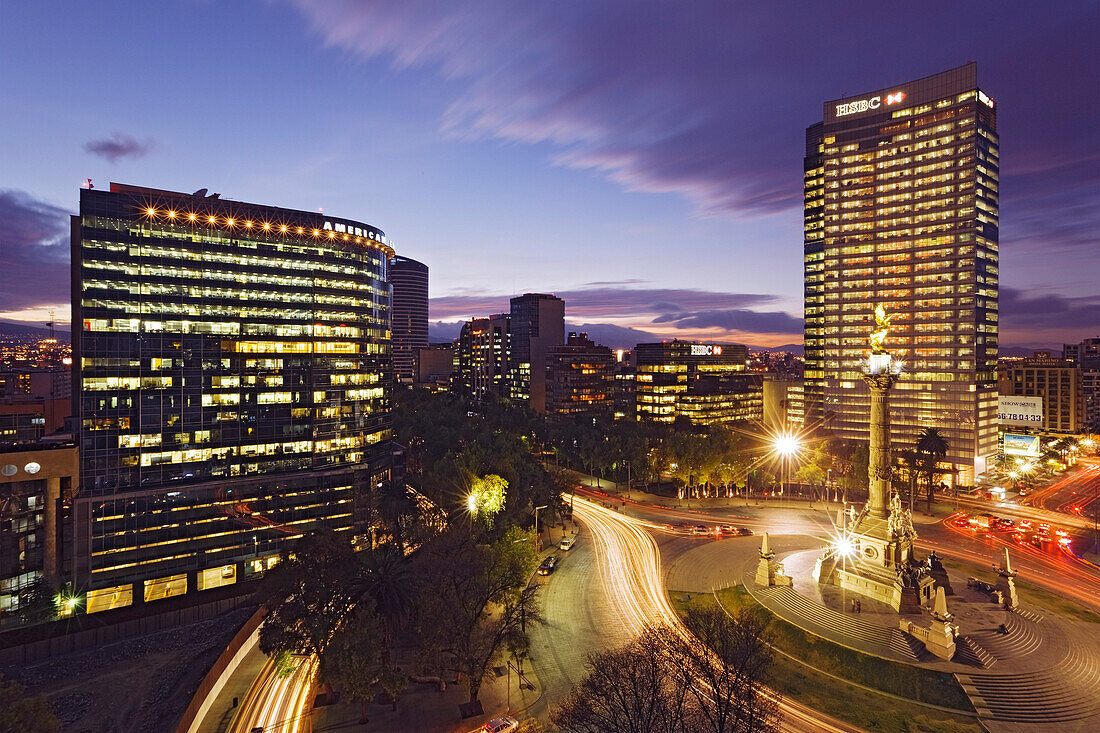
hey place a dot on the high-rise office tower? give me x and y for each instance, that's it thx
(233, 383)
(481, 357)
(409, 279)
(538, 323)
(901, 210)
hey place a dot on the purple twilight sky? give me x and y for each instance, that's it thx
(640, 159)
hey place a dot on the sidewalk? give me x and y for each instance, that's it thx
(424, 707)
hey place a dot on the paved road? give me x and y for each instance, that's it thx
(630, 568)
(1050, 567)
(277, 704)
(580, 618)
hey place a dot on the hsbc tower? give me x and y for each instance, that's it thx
(901, 209)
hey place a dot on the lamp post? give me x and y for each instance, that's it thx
(538, 548)
(786, 445)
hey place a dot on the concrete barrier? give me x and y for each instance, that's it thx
(243, 642)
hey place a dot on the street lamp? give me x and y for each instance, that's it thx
(786, 445)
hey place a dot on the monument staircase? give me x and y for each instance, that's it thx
(1065, 691)
(844, 629)
(972, 654)
(1022, 639)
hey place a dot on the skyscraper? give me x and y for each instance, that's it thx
(232, 375)
(538, 323)
(409, 279)
(481, 357)
(901, 208)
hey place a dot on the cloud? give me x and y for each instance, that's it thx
(34, 252)
(1020, 310)
(440, 332)
(604, 302)
(615, 337)
(709, 100)
(736, 319)
(119, 146)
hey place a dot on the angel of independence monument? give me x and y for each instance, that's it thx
(874, 553)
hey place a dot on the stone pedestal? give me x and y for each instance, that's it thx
(1006, 583)
(768, 571)
(939, 637)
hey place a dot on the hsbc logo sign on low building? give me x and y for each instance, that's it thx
(864, 105)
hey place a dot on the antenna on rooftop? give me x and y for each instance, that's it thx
(51, 323)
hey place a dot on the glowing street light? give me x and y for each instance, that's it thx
(471, 503)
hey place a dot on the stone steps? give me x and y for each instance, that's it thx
(968, 651)
(1070, 690)
(1022, 638)
(889, 643)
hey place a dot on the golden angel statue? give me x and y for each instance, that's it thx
(881, 328)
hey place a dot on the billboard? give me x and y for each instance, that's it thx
(1020, 410)
(1021, 445)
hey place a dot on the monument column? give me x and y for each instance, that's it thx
(878, 470)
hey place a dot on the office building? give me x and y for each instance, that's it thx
(624, 399)
(784, 403)
(580, 378)
(233, 380)
(1086, 357)
(36, 485)
(901, 192)
(481, 357)
(1056, 381)
(706, 383)
(435, 364)
(538, 323)
(409, 280)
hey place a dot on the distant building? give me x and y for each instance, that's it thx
(538, 324)
(580, 378)
(704, 382)
(1086, 357)
(435, 364)
(784, 403)
(481, 357)
(624, 397)
(901, 210)
(1057, 381)
(409, 314)
(234, 386)
(34, 402)
(37, 482)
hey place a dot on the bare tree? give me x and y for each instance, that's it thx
(627, 690)
(667, 680)
(724, 668)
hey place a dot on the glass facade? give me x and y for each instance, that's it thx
(233, 363)
(705, 383)
(409, 279)
(901, 209)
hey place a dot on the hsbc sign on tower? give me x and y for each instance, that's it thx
(863, 105)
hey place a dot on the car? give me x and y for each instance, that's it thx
(567, 543)
(500, 725)
(547, 566)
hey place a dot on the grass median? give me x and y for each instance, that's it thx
(821, 689)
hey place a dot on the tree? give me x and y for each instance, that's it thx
(475, 599)
(626, 690)
(25, 714)
(932, 446)
(487, 496)
(308, 595)
(725, 673)
(352, 660)
(37, 603)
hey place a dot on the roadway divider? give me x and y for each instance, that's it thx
(244, 641)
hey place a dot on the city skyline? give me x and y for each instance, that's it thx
(572, 165)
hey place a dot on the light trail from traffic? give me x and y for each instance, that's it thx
(278, 704)
(630, 565)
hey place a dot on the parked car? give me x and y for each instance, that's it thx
(567, 543)
(500, 725)
(547, 566)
